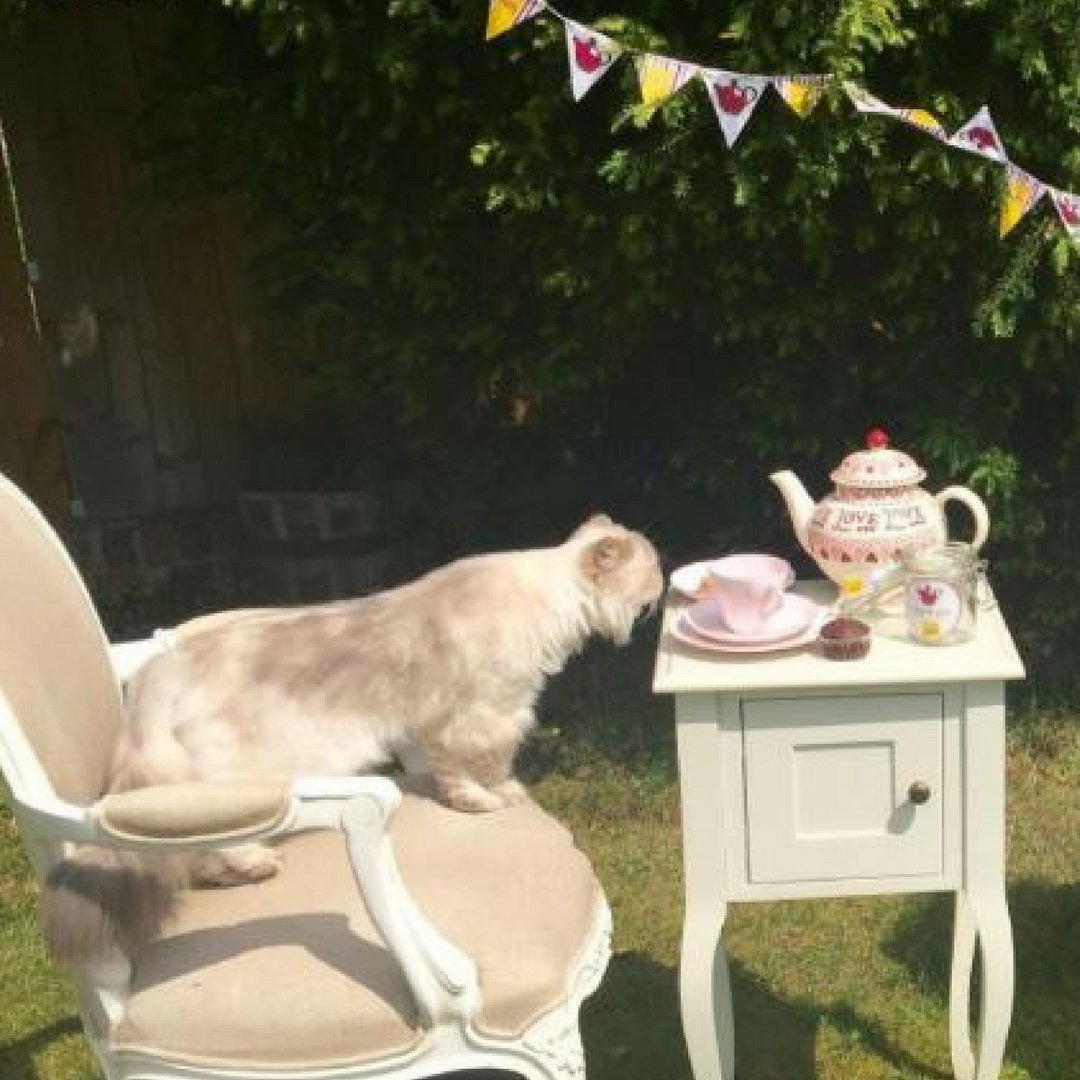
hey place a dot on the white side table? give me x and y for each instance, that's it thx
(807, 777)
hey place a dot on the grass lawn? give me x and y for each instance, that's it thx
(852, 989)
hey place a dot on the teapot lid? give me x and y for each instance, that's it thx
(878, 466)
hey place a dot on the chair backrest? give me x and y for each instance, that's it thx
(55, 673)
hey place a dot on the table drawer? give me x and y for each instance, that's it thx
(835, 787)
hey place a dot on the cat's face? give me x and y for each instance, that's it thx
(622, 571)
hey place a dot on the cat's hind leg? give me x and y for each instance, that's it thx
(241, 865)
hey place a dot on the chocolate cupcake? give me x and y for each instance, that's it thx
(845, 639)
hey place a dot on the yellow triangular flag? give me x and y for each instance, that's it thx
(924, 120)
(1022, 192)
(801, 92)
(504, 15)
(661, 76)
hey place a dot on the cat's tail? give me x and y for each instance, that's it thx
(99, 901)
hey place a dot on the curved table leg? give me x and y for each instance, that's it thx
(963, 959)
(705, 995)
(982, 917)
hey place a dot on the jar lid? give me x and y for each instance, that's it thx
(942, 559)
(878, 466)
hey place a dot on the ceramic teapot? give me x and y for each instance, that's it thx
(876, 515)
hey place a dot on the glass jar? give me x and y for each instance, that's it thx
(941, 593)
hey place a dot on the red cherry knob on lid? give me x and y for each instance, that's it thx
(877, 438)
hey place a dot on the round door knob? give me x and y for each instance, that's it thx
(919, 792)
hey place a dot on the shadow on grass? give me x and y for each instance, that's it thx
(1044, 1039)
(17, 1057)
(632, 1029)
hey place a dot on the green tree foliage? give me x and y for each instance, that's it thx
(460, 247)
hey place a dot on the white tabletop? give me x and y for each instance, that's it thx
(893, 658)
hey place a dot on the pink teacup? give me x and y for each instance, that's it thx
(749, 587)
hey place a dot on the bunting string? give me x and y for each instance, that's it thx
(735, 95)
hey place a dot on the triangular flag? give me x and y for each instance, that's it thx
(801, 92)
(919, 118)
(734, 97)
(1068, 208)
(924, 121)
(865, 102)
(591, 54)
(661, 76)
(1022, 192)
(504, 15)
(979, 136)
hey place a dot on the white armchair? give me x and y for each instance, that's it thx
(401, 939)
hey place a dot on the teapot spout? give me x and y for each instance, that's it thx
(799, 504)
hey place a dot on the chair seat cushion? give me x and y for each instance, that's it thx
(291, 972)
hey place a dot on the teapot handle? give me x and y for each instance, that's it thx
(975, 505)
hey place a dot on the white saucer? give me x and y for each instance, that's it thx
(682, 631)
(793, 616)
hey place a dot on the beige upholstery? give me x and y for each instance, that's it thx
(54, 666)
(224, 813)
(291, 971)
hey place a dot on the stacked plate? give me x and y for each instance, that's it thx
(795, 622)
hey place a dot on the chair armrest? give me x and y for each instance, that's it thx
(444, 981)
(197, 813)
(194, 815)
(208, 814)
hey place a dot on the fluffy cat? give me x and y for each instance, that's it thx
(447, 668)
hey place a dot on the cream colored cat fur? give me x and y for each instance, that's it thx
(448, 667)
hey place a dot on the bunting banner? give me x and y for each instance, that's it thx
(591, 56)
(979, 136)
(801, 92)
(1022, 192)
(865, 102)
(924, 121)
(504, 15)
(661, 76)
(1068, 208)
(735, 96)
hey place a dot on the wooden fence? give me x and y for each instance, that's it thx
(122, 401)
(29, 441)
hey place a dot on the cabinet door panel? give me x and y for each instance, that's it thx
(829, 787)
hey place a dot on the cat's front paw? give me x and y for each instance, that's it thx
(469, 797)
(512, 792)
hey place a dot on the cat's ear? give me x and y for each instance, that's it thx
(605, 555)
(594, 521)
